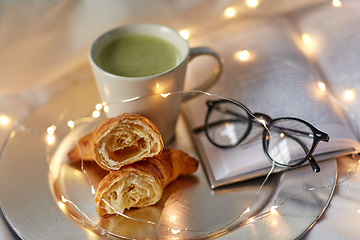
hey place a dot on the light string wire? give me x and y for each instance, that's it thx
(289, 63)
(209, 231)
(272, 209)
(348, 185)
(93, 225)
(353, 118)
(197, 92)
(23, 128)
(164, 95)
(90, 119)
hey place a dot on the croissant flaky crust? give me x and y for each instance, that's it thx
(141, 184)
(119, 141)
(125, 139)
(82, 150)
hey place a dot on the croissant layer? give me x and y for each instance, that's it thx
(82, 150)
(141, 184)
(125, 139)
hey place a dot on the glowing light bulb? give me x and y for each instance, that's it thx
(349, 95)
(273, 209)
(229, 12)
(184, 34)
(262, 121)
(336, 3)
(175, 231)
(62, 206)
(106, 108)
(50, 130)
(4, 120)
(282, 135)
(242, 55)
(165, 95)
(63, 199)
(50, 139)
(70, 124)
(93, 191)
(322, 86)
(306, 39)
(252, 3)
(96, 114)
(247, 210)
(98, 106)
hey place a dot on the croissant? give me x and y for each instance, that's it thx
(82, 151)
(125, 139)
(119, 141)
(141, 184)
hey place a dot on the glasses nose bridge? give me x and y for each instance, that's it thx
(262, 117)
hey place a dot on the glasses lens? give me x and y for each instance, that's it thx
(227, 124)
(288, 142)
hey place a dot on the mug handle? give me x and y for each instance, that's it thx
(197, 51)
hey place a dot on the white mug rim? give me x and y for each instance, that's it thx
(184, 58)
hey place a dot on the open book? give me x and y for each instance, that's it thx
(289, 55)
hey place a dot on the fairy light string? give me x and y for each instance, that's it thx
(72, 124)
(349, 177)
(51, 131)
(242, 55)
(248, 220)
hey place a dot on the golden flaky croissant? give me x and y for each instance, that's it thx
(141, 184)
(119, 141)
(82, 151)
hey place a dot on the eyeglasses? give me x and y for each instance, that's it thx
(287, 142)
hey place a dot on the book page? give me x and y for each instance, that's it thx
(275, 79)
(335, 38)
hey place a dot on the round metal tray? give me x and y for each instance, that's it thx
(43, 196)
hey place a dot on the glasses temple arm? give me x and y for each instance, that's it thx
(203, 128)
(256, 120)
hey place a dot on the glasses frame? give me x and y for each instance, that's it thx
(318, 135)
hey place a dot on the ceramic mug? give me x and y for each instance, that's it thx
(163, 112)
